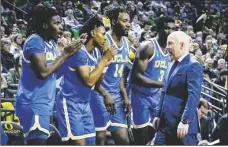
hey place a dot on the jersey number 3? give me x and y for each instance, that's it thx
(162, 73)
(119, 70)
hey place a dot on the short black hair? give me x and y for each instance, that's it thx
(160, 24)
(92, 23)
(112, 12)
(40, 16)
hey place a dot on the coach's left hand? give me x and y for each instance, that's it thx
(127, 105)
(182, 130)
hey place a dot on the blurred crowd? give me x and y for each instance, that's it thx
(205, 21)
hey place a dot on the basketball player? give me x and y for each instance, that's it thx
(109, 104)
(81, 72)
(37, 84)
(146, 78)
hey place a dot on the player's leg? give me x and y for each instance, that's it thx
(37, 142)
(141, 117)
(118, 127)
(101, 119)
(101, 137)
(160, 138)
(153, 100)
(89, 128)
(120, 136)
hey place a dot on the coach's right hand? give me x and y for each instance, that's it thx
(110, 104)
(75, 45)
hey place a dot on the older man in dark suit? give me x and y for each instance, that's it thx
(180, 96)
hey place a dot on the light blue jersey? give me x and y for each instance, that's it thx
(72, 86)
(102, 119)
(155, 69)
(116, 69)
(73, 100)
(145, 100)
(34, 93)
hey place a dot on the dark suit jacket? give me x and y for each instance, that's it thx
(180, 95)
(221, 131)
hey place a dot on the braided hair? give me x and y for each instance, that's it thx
(113, 12)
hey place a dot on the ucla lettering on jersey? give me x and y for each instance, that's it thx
(34, 93)
(115, 70)
(156, 68)
(72, 86)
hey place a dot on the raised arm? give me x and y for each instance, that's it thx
(43, 70)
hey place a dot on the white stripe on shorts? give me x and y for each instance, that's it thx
(69, 134)
(37, 126)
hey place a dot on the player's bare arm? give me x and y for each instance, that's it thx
(38, 60)
(143, 55)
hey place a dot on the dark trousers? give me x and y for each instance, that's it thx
(163, 137)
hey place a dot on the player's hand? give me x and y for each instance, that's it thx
(109, 53)
(75, 45)
(127, 106)
(182, 130)
(110, 104)
(156, 122)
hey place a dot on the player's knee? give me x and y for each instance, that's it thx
(123, 140)
(80, 142)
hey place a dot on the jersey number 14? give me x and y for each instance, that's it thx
(119, 70)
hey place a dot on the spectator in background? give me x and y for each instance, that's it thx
(68, 36)
(13, 78)
(222, 79)
(11, 18)
(3, 80)
(16, 46)
(136, 27)
(223, 48)
(22, 25)
(195, 46)
(199, 34)
(221, 66)
(145, 36)
(208, 47)
(15, 30)
(208, 69)
(198, 55)
(191, 34)
(206, 56)
(7, 58)
(69, 19)
(206, 122)
(105, 19)
(199, 41)
(219, 55)
(3, 32)
(139, 8)
(146, 28)
(189, 29)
